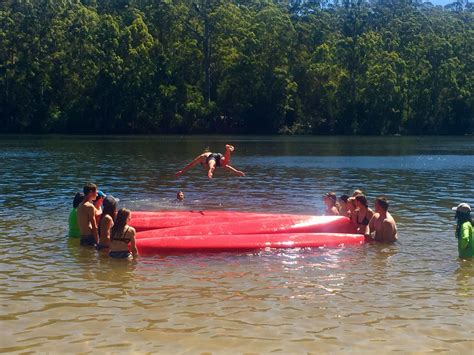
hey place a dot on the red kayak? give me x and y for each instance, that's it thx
(199, 214)
(277, 224)
(243, 242)
(157, 221)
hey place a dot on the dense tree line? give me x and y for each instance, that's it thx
(236, 66)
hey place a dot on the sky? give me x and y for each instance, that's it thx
(441, 2)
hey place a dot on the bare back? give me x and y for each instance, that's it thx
(86, 217)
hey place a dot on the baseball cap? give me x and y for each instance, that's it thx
(100, 194)
(462, 207)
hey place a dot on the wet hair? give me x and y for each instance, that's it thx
(333, 198)
(90, 187)
(120, 223)
(344, 198)
(462, 217)
(109, 208)
(78, 198)
(362, 199)
(177, 195)
(357, 192)
(383, 202)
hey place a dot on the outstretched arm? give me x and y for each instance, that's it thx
(233, 170)
(190, 165)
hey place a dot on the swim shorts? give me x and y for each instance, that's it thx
(88, 240)
(120, 254)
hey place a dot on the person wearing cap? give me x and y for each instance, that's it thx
(382, 227)
(330, 200)
(86, 216)
(362, 214)
(109, 212)
(74, 231)
(464, 230)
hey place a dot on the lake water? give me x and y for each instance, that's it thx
(414, 296)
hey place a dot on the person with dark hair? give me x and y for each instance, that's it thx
(330, 200)
(343, 208)
(107, 219)
(180, 196)
(362, 214)
(464, 230)
(122, 235)
(382, 226)
(86, 216)
(212, 160)
(73, 225)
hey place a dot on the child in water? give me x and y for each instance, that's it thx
(180, 196)
(464, 230)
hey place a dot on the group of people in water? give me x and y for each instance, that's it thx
(97, 221)
(377, 224)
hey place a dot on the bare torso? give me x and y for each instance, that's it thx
(384, 228)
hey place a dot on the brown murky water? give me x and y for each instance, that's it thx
(415, 296)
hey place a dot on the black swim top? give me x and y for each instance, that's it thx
(122, 238)
(216, 157)
(365, 221)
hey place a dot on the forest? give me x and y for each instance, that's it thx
(347, 67)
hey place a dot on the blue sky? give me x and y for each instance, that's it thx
(441, 2)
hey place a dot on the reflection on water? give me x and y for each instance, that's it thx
(414, 296)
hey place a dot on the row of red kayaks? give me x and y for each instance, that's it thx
(188, 231)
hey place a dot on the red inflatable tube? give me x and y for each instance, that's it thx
(155, 221)
(243, 242)
(277, 224)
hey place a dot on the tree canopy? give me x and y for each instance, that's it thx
(236, 66)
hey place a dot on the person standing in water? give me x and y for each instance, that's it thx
(362, 214)
(106, 223)
(382, 226)
(73, 225)
(86, 216)
(330, 200)
(212, 160)
(464, 230)
(122, 235)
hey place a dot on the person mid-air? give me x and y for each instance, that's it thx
(212, 160)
